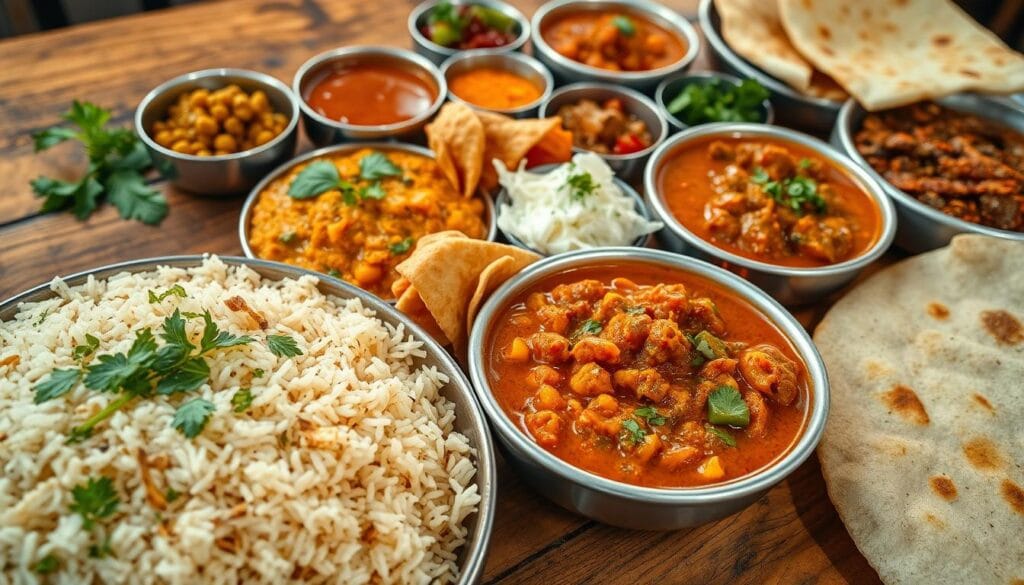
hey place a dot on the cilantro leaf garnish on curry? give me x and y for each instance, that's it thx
(645, 376)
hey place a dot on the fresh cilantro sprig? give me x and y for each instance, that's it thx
(176, 290)
(94, 500)
(178, 366)
(399, 248)
(726, 407)
(283, 346)
(651, 415)
(721, 434)
(588, 327)
(625, 25)
(799, 193)
(579, 183)
(117, 160)
(321, 176)
(192, 416)
(632, 432)
(242, 400)
(719, 101)
(46, 565)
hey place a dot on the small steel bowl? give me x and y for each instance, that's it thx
(522, 65)
(228, 174)
(437, 53)
(808, 113)
(503, 199)
(245, 218)
(671, 87)
(629, 167)
(788, 285)
(469, 419)
(622, 504)
(568, 71)
(922, 227)
(323, 131)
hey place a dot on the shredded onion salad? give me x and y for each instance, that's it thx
(577, 205)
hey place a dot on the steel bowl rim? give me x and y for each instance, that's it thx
(378, 50)
(720, 47)
(525, 60)
(421, 9)
(632, 94)
(752, 483)
(638, 200)
(871, 187)
(844, 131)
(473, 565)
(263, 79)
(244, 218)
(649, 9)
(696, 76)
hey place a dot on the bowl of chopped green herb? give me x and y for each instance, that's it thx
(705, 97)
(787, 211)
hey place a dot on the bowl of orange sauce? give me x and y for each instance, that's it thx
(367, 93)
(513, 84)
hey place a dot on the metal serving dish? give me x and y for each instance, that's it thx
(922, 227)
(671, 87)
(227, 174)
(812, 114)
(518, 63)
(622, 504)
(627, 166)
(788, 285)
(469, 419)
(245, 217)
(503, 199)
(568, 71)
(323, 131)
(437, 53)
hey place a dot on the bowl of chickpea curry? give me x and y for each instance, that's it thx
(219, 131)
(355, 211)
(645, 389)
(634, 43)
(779, 207)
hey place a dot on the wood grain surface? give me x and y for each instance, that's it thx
(791, 535)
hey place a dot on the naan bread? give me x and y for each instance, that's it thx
(889, 54)
(923, 453)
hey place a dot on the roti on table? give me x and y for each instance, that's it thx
(615, 41)
(752, 29)
(923, 453)
(646, 376)
(769, 200)
(366, 222)
(889, 54)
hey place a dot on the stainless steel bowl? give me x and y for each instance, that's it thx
(323, 131)
(503, 199)
(922, 227)
(245, 218)
(469, 419)
(673, 86)
(522, 65)
(437, 53)
(227, 174)
(788, 285)
(568, 71)
(622, 504)
(811, 114)
(627, 166)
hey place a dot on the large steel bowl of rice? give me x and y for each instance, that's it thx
(224, 420)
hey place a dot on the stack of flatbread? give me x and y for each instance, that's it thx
(923, 453)
(883, 53)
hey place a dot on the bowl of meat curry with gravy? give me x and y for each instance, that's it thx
(645, 389)
(779, 208)
(355, 211)
(633, 43)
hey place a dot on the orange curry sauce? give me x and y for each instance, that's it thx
(616, 41)
(578, 383)
(711, 187)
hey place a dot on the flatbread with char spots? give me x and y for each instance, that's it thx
(923, 454)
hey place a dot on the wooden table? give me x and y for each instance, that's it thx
(792, 535)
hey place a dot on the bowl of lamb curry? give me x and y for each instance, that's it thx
(645, 389)
(778, 207)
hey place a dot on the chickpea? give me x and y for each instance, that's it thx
(234, 126)
(178, 134)
(225, 142)
(203, 152)
(267, 119)
(264, 137)
(205, 125)
(181, 146)
(195, 147)
(259, 102)
(219, 112)
(239, 100)
(198, 98)
(219, 152)
(254, 130)
(159, 126)
(164, 138)
(244, 113)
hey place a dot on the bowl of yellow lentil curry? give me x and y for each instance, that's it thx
(219, 131)
(355, 211)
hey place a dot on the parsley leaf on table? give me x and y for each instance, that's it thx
(116, 161)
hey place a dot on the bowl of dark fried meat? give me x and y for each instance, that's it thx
(952, 166)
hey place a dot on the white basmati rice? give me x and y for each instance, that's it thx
(345, 469)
